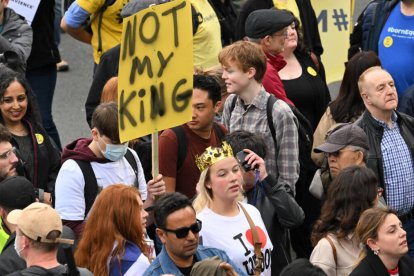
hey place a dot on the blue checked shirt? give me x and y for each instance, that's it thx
(398, 168)
(281, 161)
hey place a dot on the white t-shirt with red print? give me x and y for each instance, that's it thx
(233, 235)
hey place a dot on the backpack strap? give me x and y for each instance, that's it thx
(333, 250)
(219, 131)
(233, 104)
(101, 12)
(182, 145)
(269, 111)
(256, 241)
(90, 189)
(131, 160)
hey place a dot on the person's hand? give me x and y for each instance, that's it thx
(47, 198)
(256, 162)
(156, 186)
(228, 269)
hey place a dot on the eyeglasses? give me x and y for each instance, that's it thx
(380, 191)
(6, 154)
(336, 154)
(284, 34)
(181, 233)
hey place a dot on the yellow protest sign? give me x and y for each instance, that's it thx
(334, 22)
(155, 70)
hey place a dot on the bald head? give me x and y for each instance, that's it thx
(378, 92)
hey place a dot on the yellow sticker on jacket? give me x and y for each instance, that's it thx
(388, 41)
(311, 71)
(39, 138)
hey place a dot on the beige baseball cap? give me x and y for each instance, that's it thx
(36, 221)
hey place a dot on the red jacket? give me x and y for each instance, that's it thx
(271, 81)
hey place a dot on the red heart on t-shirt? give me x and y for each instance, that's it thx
(260, 232)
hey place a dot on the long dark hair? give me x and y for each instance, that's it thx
(349, 104)
(352, 192)
(7, 77)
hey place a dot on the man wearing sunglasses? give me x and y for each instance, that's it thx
(345, 146)
(178, 230)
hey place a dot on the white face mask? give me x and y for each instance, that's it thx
(16, 245)
(114, 152)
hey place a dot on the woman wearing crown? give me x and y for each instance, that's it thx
(225, 218)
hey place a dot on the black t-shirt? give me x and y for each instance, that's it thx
(187, 270)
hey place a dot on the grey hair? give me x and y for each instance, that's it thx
(361, 149)
(254, 40)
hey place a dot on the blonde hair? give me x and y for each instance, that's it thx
(205, 195)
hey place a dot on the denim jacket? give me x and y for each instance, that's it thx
(164, 265)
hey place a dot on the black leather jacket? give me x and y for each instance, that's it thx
(374, 132)
(279, 212)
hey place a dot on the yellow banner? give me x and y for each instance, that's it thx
(334, 21)
(155, 70)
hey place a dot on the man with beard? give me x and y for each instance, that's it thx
(178, 230)
(386, 27)
(391, 144)
(8, 158)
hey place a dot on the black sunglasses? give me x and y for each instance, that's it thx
(181, 233)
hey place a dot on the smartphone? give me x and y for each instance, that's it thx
(240, 156)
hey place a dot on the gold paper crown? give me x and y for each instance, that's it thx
(213, 154)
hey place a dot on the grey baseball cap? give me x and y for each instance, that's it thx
(345, 135)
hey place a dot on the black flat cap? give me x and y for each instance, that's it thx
(16, 192)
(261, 23)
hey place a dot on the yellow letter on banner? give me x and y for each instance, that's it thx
(155, 70)
(334, 22)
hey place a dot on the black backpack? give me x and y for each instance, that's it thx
(144, 148)
(305, 135)
(182, 142)
(91, 188)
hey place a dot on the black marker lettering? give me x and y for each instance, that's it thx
(163, 62)
(149, 40)
(130, 38)
(173, 11)
(157, 101)
(139, 67)
(184, 97)
(123, 110)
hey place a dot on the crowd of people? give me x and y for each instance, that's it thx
(269, 177)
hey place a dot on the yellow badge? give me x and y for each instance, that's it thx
(39, 138)
(311, 71)
(388, 41)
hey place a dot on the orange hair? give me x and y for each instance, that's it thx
(245, 54)
(109, 222)
(110, 91)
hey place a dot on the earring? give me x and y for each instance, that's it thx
(376, 252)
